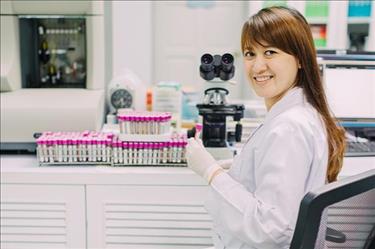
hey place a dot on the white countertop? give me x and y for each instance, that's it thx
(25, 169)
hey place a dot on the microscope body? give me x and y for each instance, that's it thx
(214, 133)
(215, 107)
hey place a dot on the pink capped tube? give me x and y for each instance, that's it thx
(141, 153)
(125, 155)
(198, 130)
(59, 150)
(108, 148)
(39, 144)
(148, 153)
(115, 151)
(165, 152)
(94, 147)
(70, 149)
(74, 149)
(131, 152)
(51, 150)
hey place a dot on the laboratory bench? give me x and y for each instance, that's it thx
(108, 207)
(101, 206)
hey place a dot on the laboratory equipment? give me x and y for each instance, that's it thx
(101, 148)
(52, 69)
(143, 123)
(360, 137)
(126, 91)
(74, 148)
(145, 138)
(216, 109)
(349, 80)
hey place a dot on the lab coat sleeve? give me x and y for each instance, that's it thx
(266, 218)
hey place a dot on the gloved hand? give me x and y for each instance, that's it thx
(225, 163)
(200, 160)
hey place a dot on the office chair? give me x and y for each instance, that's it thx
(338, 215)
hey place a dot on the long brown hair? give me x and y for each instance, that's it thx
(288, 30)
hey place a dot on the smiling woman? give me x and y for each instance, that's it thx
(298, 147)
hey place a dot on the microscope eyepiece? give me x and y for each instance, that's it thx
(227, 62)
(207, 62)
(207, 68)
(217, 66)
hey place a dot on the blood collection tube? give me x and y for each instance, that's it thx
(121, 123)
(119, 152)
(74, 149)
(148, 153)
(165, 152)
(141, 153)
(94, 148)
(127, 124)
(198, 129)
(162, 123)
(50, 150)
(115, 154)
(174, 151)
(108, 148)
(102, 149)
(136, 153)
(131, 124)
(70, 150)
(44, 150)
(158, 124)
(39, 149)
(59, 150)
(152, 153)
(125, 152)
(160, 153)
(98, 149)
(85, 151)
(89, 150)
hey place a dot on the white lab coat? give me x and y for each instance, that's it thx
(255, 204)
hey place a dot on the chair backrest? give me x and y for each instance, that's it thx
(347, 206)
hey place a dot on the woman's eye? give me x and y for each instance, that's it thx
(248, 54)
(269, 52)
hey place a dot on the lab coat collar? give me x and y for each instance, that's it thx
(293, 97)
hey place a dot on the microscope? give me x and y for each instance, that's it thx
(215, 108)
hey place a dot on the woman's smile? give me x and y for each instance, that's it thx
(262, 80)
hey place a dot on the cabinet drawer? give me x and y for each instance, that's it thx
(148, 217)
(42, 216)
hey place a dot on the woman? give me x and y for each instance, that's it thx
(299, 146)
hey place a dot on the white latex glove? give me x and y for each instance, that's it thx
(225, 163)
(200, 160)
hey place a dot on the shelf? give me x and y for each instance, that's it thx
(358, 20)
(317, 20)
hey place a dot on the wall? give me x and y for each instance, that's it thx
(132, 38)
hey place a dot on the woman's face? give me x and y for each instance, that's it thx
(270, 71)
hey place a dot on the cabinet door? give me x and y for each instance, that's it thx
(147, 217)
(42, 216)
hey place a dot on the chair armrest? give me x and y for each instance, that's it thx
(333, 235)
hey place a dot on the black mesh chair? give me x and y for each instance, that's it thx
(340, 215)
